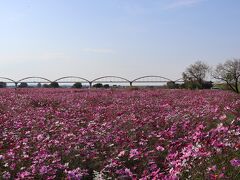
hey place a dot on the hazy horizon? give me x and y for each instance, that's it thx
(128, 38)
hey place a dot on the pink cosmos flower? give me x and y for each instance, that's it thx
(64, 130)
(133, 153)
(128, 172)
(6, 175)
(43, 170)
(223, 117)
(160, 148)
(122, 153)
(235, 162)
(213, 168)
(24, 174)
(39, 137)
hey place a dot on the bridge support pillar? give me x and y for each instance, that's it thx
(90, 84)
(130, 83)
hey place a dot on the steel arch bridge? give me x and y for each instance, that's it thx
(150, 79)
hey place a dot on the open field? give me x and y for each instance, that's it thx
(124, 134)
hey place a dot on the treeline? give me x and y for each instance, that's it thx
(194, 77)
(56, 85)
(51, 85)
(190, 85)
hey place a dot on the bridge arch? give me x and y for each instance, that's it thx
(28, 80)
(34, 77)
(69, 77)
(66, 81)
(9, 79)
(141, 79)
(101, 80)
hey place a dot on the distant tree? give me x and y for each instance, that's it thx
(191, 84)
(39, 85)
(45, 86)
(77, 85)
(23, 85)
(98, 85)
(195, 74)
(229, 72)
(207, 84)
(172, 85)
(196, 85)
(54, 85)
(106, 86)
(3, 84)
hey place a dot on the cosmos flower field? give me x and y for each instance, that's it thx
(119, 134)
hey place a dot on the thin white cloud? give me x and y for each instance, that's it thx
(99, 50)
(183, 3)
(30, 57)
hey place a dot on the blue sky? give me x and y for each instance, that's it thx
(129, 38)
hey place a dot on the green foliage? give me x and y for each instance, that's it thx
(23, 85)
(39, 85)
(197, 85)
(3, 84)
(106, 86)
(45, 86)
(192, 85)
(77, 85)
(98, 85)
(207, 84)
(54, 85)
(172, 85)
